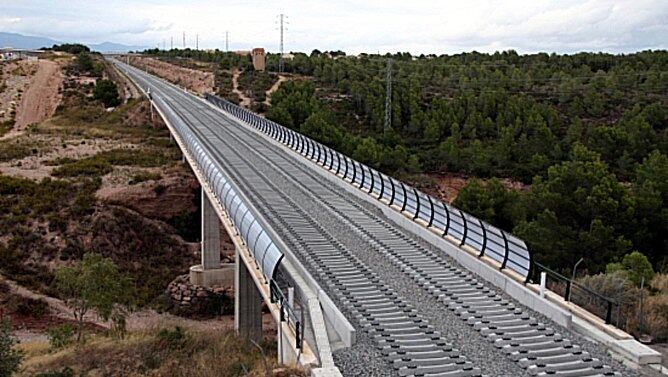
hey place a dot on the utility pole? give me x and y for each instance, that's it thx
(171, 43)
(163, 44)
(280, 59)
(196, 41)
(227, 41)
(184, 40)
(388, 96)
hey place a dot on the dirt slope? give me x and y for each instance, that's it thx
(40, 100)
(195, 80)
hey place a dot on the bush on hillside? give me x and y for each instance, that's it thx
(106, 92)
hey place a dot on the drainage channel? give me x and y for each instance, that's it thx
(406, 340)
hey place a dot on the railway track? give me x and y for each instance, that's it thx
(534, 345)
(408, 342)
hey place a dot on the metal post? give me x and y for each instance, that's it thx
(417, 206)
(382, 186)
(403, 205)
(608, 314)
(372, 181)
(338, 163)
(447, 220)
(362, 180)
(431, 206)
(354, 171)
(575, 268)
(484, 238)
(506, 248)
(324, 162)
(393, 191)
(298, 335)
(345, 173)
(466, 229)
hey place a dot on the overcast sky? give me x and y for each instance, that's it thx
(418, 26)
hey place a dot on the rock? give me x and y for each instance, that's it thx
(196, 301)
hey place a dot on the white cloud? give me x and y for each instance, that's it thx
(419, 26)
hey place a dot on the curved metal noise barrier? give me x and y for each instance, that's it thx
(508, 250)
(267, 255)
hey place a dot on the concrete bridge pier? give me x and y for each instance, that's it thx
(210, 271)
(247, 303)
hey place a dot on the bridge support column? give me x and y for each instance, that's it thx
(209, 272)
(247, 303)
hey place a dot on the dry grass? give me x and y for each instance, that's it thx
(656, 309)
(158, 353)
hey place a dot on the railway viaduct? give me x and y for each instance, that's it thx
(365, 275)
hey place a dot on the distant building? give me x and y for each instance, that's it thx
(258, 57)
(8, 53)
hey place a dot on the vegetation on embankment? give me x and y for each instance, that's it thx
(85, 149)
(160, 352)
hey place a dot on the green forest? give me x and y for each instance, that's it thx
(585, 133)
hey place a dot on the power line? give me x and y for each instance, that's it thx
(280, 60)
(388, 96)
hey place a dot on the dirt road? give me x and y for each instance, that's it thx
(41, 98)
(245, 101)
(274, 88)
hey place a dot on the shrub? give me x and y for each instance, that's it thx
(65, 372)
(10, 358)
(27, 306)
(159, 189)
(133, 157)
(636, 265)
(144, 176)
(59, 161)
(106, 92)
(89, 167)
(61, 336)
(173, 339)
(14, 150)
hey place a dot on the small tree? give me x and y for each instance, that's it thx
(106, 92)
(635, 265)
(95, 283)
(10, 358)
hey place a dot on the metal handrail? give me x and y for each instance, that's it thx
(570, 284)
(515, 252)
(287, 312)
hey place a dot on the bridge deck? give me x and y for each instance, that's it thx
(420, 313)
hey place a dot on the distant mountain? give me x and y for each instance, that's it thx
(114, 47)
(25, 41)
